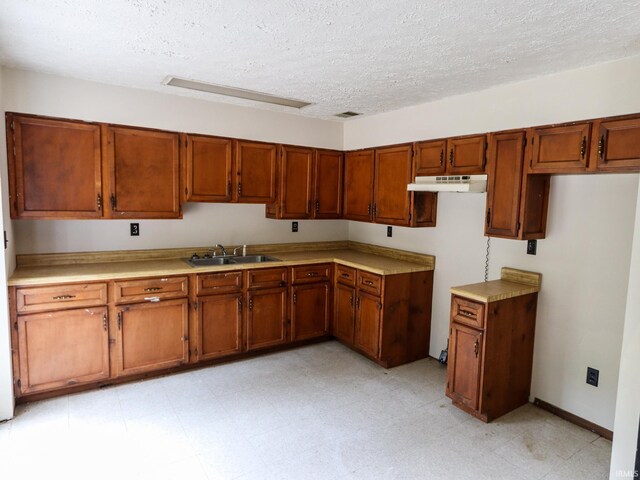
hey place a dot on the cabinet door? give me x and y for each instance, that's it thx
(152, 336)
(358, 185)
(367, 331)
(617, 145)
(266, 318)
(463, 370)
(144, 173)
(328, 184)
(393, 174)
(309, 311)
(55, 168)
(63, 348)
(506, 157)
(219, 325)
(561, 149)
(430, 158)
(256, 172)
(296, 182)
(344, 318)
(208, 163)
(466, 155)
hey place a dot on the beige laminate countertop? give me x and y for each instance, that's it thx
(40, 275)
(512, 284)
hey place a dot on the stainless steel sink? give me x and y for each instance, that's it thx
(255, 259)
(210, 261)
(206, 262)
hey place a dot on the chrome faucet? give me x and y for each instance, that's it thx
(217, 245)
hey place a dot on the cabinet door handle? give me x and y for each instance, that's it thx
(240, 303)
(119, 320)
(358, 302)
(295, 298)
(583, 147)
(375, 207)
(441, 157)
(369, 209)
(64, 297)
(239, 188)
(229, 187)
(488, 216)
(104, 322)
(451, 157)
(475, 348)
(99, 201)
(152, 289)
(317, 206)
(601, 147)
(114, 203)
(251, 304)
(351, 301)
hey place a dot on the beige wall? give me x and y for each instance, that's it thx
(628, 401)
(585, 257)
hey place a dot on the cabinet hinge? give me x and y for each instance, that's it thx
(195, 305)
(11, 125)
(518, 226)
(195, 352)
(409, 216)
(379, 306)
(185, 338)
(15, 325)
(19, 383)
(524, 141)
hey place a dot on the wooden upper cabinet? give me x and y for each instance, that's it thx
(358, 185)
(466, 155)
(393, 174)
(560, 149)
(54, 168)
(296, 182)
(506, 158)
(616, 145)
(144, 173)
(208, 168)
(430, 158)
(256, 172)
(328, 184)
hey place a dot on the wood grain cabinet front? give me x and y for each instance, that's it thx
(358, 185)
(208, 168)
(560, 148)
(62, 349)
(491, 354)
(466, 155)
(60, 297)
(266, 315)
(392, 175)
(55, 168)
(150, 289)
(256, 172)
(616, 145)
(152, 336)
(219, 321)
(310, 310)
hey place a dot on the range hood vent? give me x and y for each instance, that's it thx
(450, 183)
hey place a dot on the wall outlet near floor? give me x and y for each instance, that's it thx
(592, 376)
(532, 247)
(135, 229)
(389, 231)
(294, 227)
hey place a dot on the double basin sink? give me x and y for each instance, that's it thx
(229, 260)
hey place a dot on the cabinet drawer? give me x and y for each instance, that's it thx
(467, 312)
(310, 273)
(57, 297)
(346, 275)
(370, 282)
(151, 288)
(219, 283)
(267, 277)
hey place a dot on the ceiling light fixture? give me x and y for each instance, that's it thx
(347, 114)
(233, 92)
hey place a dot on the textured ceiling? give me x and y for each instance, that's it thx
(368, 56)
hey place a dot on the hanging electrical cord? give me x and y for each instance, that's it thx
(486, 262)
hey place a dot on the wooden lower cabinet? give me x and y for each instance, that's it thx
(491, 354)
(266, 318)
(367, 326)
(387, 318)
(219, 320)
(152, 336)
(309, 310)
(62, 348)
(344, 313)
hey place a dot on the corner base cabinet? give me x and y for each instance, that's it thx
(491, 354)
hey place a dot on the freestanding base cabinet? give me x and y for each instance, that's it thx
(491, 344)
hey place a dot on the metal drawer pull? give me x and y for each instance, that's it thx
(152, 289)
(345, 275)
(368, 282)
(64, 297)
(152, 299)
(467, 314)
(312, 274)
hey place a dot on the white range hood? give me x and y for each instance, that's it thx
(450, 183)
